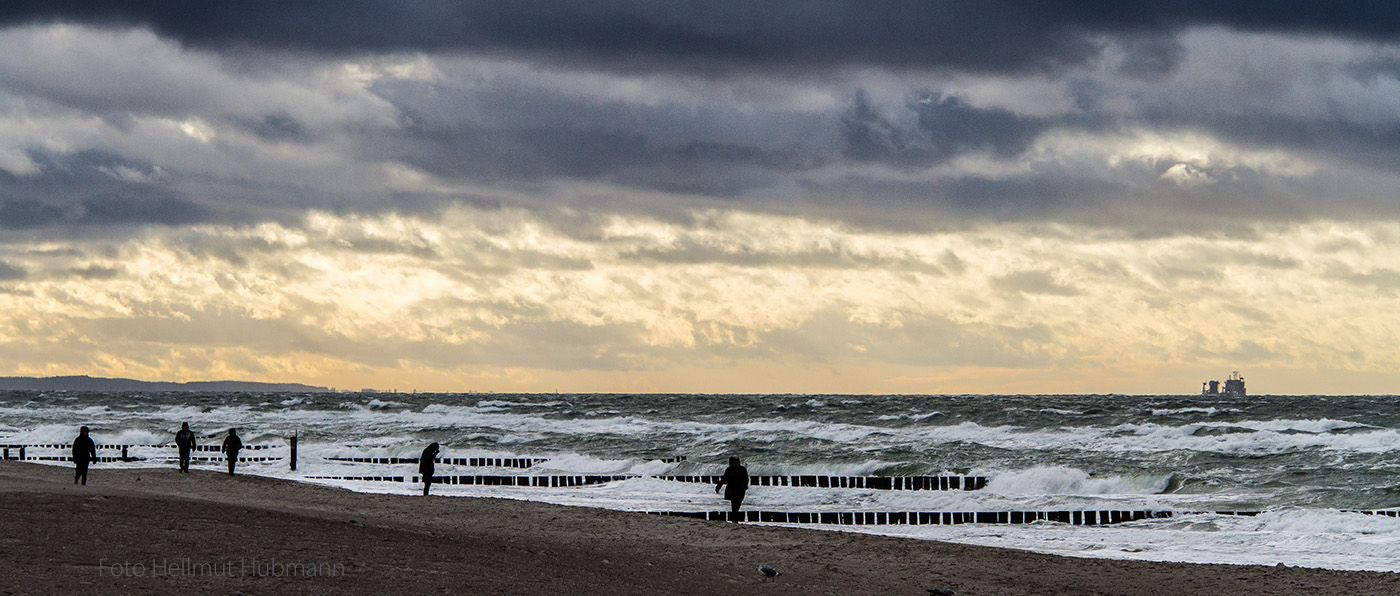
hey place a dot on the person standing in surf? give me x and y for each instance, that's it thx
(425, 466)
(184, 441)
(737, 479)
(84, 453)
(232, 444)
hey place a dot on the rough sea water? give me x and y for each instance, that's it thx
(1307, 462)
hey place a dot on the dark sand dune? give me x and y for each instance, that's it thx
(56, 538)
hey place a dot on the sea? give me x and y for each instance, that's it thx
(1310, 466)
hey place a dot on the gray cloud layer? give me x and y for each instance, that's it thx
(982, 35)
(1160, 117)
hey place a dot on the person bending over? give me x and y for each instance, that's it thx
(425, 466)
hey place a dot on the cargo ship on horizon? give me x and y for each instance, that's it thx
(1234, 386)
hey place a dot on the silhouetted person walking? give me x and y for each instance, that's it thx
(737, 478)
(84, 453)
(231, 446)
(425, 466)
(184, 440)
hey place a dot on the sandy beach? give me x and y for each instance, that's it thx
(158, 531)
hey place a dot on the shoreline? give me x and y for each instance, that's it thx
(60, 538)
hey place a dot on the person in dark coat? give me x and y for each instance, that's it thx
(737, 479)
(84, 453)
(425, 466)
(184, 440)
(231, 446)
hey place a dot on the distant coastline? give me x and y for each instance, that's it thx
(86, 383)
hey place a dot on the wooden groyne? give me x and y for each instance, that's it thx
(954, 518)
(211, 447)
(111, 459)
(475, 462)
(23, 452)
(168, 452)
(856, 482)
(862, 482)
(1385, 512)
(557, 481)
(925, 518)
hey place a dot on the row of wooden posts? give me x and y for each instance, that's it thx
(21, 452)
(806, 480)
(569, 480)
(951, 518)
(923, 518)
(497, 462)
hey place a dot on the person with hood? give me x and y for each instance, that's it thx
(737, 478)
(231, 446)
(184, 440)
(425, 466)
(84, 453)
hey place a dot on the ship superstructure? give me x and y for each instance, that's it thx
(1234, 386)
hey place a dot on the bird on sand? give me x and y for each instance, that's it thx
(769, 572)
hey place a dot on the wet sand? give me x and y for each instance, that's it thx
(209, 533)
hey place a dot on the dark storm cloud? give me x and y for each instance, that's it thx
(134, 208)
(626, 158)
(80, 190)
(981, 35)
(945, 127)
(1375, 145)
(518, 132)
(278, 128)
(22, 214)
(630, 158)
(99, 192)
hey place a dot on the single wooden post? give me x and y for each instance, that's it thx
(21, 453)
(124, 457)
(294, 450)
(7, 453)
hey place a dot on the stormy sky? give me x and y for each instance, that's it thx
(867, 197)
